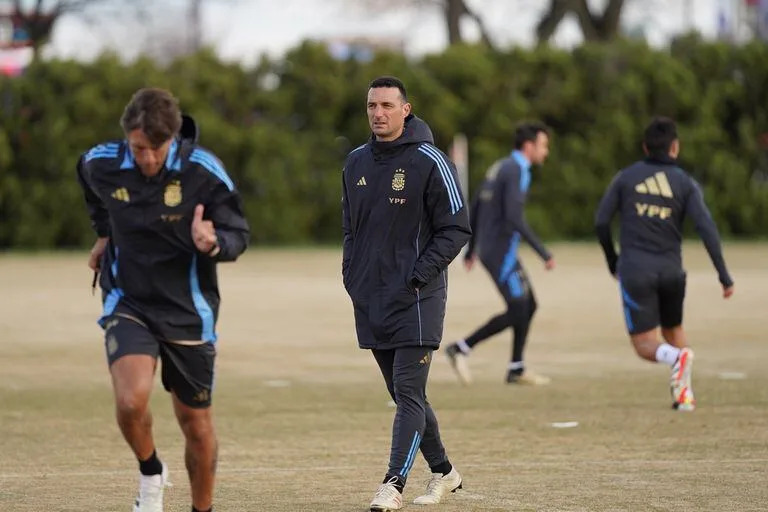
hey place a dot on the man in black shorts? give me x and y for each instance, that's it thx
(165, 212)
(498, 227)
(653, 197)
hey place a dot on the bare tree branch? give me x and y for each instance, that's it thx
(484, 33)
(612, 16)
(595, 27)
(453, 11)
(39, 17)
(39, 21)
(548, 24)
(587, 21)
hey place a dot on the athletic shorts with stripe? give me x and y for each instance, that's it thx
(187, 366)
(511, 280)
(652, 298)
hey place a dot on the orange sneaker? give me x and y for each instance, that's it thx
(680, 382)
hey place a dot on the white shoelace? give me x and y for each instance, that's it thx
(388, 491)
(434, 483)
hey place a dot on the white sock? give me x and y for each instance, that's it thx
(515, 365)
(465, 349)
(668, 354)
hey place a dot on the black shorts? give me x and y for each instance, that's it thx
(652, 299)
(512, 283)
(187, 370)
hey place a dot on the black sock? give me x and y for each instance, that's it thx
(395, 480)
(443, 467)
(206, 510)
(151, 466)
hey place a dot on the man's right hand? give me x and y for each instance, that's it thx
(549, 264)
(94, 259)
(727, 291)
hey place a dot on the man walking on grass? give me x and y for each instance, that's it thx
(404, 221)
(498, 226)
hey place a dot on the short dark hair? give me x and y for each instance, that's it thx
(389, 81)
(527, 132)
(659, 136)
(155, 112)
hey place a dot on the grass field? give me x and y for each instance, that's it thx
(303, 416)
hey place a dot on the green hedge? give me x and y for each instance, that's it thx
(283, 127)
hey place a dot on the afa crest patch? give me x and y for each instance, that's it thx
(172, 195)
(398, 180)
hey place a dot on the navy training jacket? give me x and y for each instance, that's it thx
(151, 262)
(404, 221)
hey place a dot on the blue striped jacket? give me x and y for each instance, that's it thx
(151, 264)
(404, 221)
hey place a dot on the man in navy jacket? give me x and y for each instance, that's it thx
(404, 221)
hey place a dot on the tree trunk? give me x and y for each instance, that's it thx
(195, 26)
(547, 26)
(454, 9)
(610, 23)
(484, 34)
(604, 27)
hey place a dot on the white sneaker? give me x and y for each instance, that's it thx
(527, 378)
(439, 485)
(151, 488)
(458, 361)
(387, 498)
(680, 382)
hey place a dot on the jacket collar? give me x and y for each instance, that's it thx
(523, 162)
(660, 159)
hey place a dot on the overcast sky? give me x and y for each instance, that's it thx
(244, 29)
